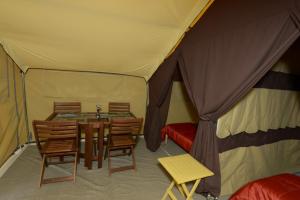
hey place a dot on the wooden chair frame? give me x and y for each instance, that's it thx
(136, 127)
(120, 139)
(56, 139)
(67, 107)
(118, 107)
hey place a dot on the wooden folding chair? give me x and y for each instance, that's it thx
(118, 107)
(56, 139)
(120, 139)
(67, 107)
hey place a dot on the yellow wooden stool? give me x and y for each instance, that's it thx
(183, 168)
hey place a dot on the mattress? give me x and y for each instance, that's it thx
(182, 134)
(279, 187)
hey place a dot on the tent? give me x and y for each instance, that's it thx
(228, 51)
(96, 52)
(88, 51)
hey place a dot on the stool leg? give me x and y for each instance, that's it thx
(180, 190)
(190, 194)
(169, 191)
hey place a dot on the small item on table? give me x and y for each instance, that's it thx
(98, 116)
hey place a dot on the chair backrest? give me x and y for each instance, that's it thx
(136, 126)
(125, 126)
(54, 130)
(67, 107)
(118, 107)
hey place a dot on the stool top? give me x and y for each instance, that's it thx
(184, 168)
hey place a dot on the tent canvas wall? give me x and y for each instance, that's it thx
(229, 50)
(73, 50)
(13, 125)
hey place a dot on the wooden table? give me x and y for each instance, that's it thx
(183, 168)
(83, 119)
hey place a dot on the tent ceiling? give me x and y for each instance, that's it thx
(125, 37)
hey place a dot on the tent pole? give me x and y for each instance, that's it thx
(17, 108)
(29, 136)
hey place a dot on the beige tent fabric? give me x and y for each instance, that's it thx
(127, 37)
(250, 163)
(261, 109)
(285, 67)
(43, 87)
(12, 121)
(181, 108)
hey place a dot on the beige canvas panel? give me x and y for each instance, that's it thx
(244, 164)
(8, 130)
(43, 87)
(261, 109)
(3, 76)
(281, 66)
(285, 67)
(128, 37)
(181, 108)
(10, 125)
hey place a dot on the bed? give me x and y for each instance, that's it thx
(182, 134)
(278, 187)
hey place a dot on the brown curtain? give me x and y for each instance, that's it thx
(228, 51)
(160, 86)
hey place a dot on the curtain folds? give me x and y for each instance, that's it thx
(208, 154)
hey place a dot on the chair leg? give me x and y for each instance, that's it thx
(79, 146)
(42, 170)
(75, 167)
(109, 162)
(106, 152)
(61, 158)
(137, 138)
(133, 158)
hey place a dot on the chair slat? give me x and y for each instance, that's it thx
(67, 107)
(118, 107)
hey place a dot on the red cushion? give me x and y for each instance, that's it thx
(279, 187)
(182, 133)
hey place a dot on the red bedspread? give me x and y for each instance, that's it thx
(279, 187)
(182, 133)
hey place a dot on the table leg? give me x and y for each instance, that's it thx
(88, 154)
(100, 145)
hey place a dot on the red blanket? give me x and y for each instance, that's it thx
(182, 133)
(279, 187)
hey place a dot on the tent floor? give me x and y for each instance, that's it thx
(149, 181)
